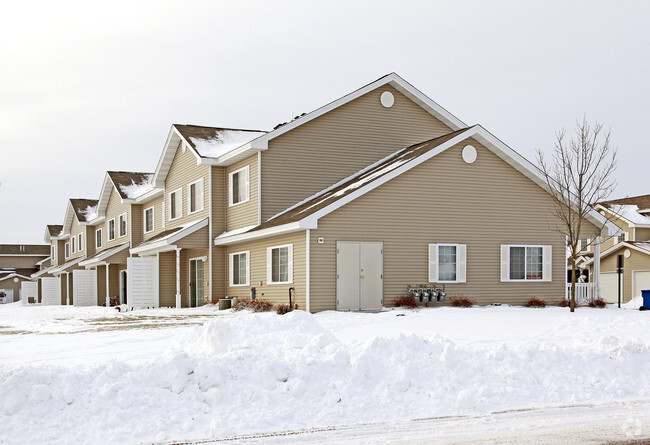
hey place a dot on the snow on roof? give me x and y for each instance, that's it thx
(137, 186)
(631, 213)
(211, 142)
(85, 209)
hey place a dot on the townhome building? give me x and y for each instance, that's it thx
(342, 208)
(17, 263)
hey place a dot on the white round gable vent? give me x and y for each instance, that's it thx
(387, 99)
(627, 253)
(469, 154)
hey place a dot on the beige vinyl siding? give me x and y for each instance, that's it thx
(114, 209)
(337, 144)
(244, 214)
(444, 200)
(637, 261)
(157, 205)
(182, 172)
(277, 293)
(218, 225)
(136, 224)
(101, 285)
(167, 279)
(60, 251)
(75, 230)
(90, 240)
(641, 234)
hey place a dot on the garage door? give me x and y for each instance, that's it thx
(609, 287)
(640, 281)
(142, 281)
(84, 287)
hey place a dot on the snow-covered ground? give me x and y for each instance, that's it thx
(93, 375)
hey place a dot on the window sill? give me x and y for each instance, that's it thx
(239, 285)
(238, 203)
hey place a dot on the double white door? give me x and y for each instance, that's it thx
(359, 275)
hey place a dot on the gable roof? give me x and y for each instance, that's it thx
(305, 214)
(635, 211)
(84, 209)
(54, 229)
(130, 185)
(206, 143)
(643, 247)
(641, 201)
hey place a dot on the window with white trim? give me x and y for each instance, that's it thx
(239, 268)
(122, 224)
(525, 263)
(195, 196)
(98, 238)
(52, 252)
(67, 250)
(72, 242)
(176, 204)
(148, 220)
(279, 264)
(447, 263)
(111, 229)
(80, 241)
(239, 186)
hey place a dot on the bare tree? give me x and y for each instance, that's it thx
(580, 174)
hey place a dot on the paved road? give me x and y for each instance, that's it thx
(608, 423)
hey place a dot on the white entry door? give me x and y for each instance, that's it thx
(359, 275)
(142, 281)
(84, 287)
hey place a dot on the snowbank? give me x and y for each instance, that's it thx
(260, 372)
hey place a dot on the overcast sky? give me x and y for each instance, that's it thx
(86, 88)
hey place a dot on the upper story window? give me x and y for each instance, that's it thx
(52, 252)
(279, 264)
(239, 186)
(111, 229)
(176, 204)
(72, 243)
(525, 263)
(98, 238)
(148, 220)
(67, 250)
(447, 263)
(80, 241)
(122, 224)
(195, 196)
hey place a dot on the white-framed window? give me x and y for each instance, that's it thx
(98, 238)
(195, 196)
(525, 262)
(239, 186)
(52, 252)
(148, 220)
(111, 229)
(122, 224)
(80, 241)
(447, 263)
(176, 204)
(279, 264)
(239, 268)
(72, 243)
(67, 250)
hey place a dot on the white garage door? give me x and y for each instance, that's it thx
(640, 281)
(84, 287)
(609, 287)
(29, 289)
(142, 281)
(51, 289)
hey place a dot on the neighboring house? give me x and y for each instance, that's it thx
(343, 207)
(17, 263)
(632, 216)
(117, 225)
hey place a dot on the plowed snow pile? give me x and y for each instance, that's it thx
(260, 372)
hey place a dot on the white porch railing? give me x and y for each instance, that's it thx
(585, 292)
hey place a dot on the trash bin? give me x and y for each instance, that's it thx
(646, 298)
(226, 303)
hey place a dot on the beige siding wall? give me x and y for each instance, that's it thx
(157, 205)
(19, 261)
(642, 234)
(136, 222)
(101, 285)
(444, 200)
(114, 209)
(9, 284)
(636, 262)
(277, 293)
(90, 240)
(167, 279)
(75, 230)
(243, 214)
(319, 153)
(218, 226)
(60, 251)
(184, 171)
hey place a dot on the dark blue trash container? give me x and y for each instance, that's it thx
(646, 298)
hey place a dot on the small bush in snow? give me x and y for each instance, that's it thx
(535, 302)
(285, 308)
(563, 303)
(405, 301)
(461, 301)
(254, 305)
(597, 303)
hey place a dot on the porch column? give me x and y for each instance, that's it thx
(596, 278)
(108, 298)
(67, 289)
(178, 278)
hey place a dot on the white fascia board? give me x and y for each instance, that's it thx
(47, 239)
(99, 258)
(14, 275)
(624, 219)
(264, 233)
(143, 199)
(616, 247)
(153, 249)
(232, 156)
(43, 260)
(167, 157)
(394, 80)
(104, 196)
(69, 264)
(67, 220)
(161, 245)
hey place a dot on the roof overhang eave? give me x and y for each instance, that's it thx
(283, 229)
